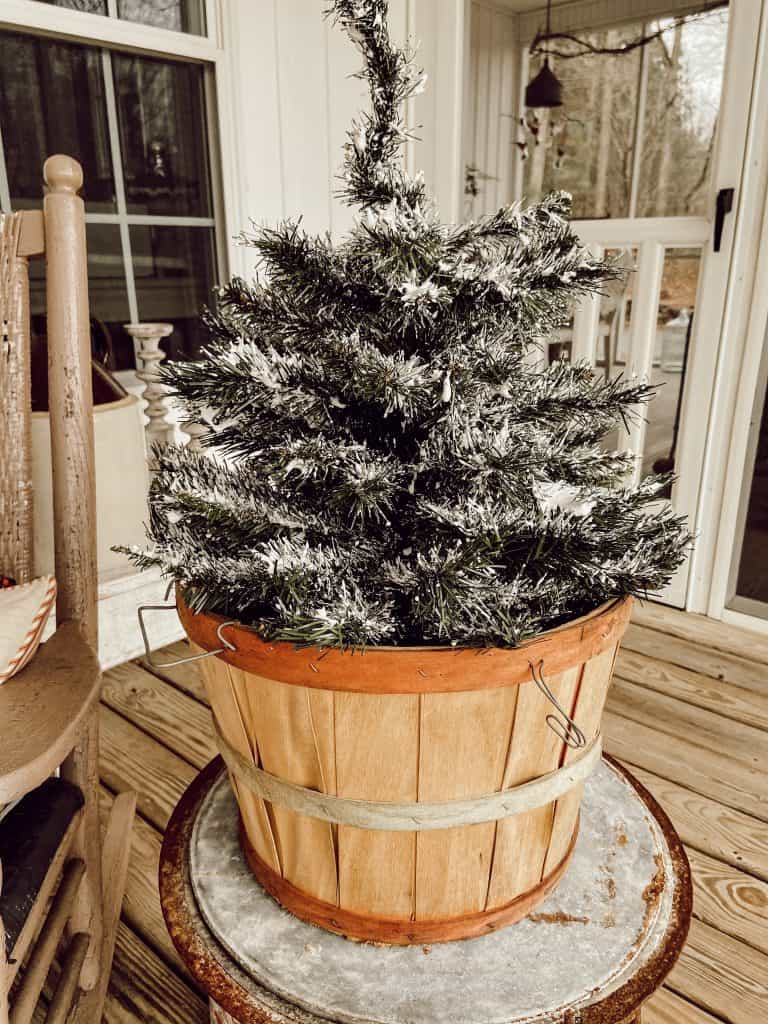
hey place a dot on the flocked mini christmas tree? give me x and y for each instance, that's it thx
(385, 461)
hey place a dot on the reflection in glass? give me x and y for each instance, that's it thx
(752, 578)
(52, 101)
(108, 297)
(685, 75)
(674, 326)
(174, 272)
(177, 15)
(677, 303)
(87, 6)
(162, 136)
(585, 146)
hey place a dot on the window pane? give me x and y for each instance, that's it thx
(163, 136)
(174, 272)
(108, 305)
(88, 6)
(685, 75)
(177, 15)
(674, 328)
(108, 296)
(679, 281)
(586, 146)
(52, 101)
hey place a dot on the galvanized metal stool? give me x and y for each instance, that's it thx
(592, 953)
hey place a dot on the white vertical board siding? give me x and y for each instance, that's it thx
(491, 106)
(248, 36)
(440, 27)
(302, 61)
(346, 95)
(295, 96)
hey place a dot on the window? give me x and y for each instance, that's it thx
(635, 135)
(138, 126)
(176, 15)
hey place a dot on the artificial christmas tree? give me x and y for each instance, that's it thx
(388, 464)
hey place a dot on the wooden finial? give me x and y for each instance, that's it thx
(63, 174)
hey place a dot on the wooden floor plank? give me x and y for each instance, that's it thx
(706, 825)
(730, 900)
(132, 760)
(666, 1007)
(186, 678)
(675, 718)
(702, 691)
(144, 990)
(697, 656)
(722, 975)
(700, 629)
(168, 715)
(704, 771)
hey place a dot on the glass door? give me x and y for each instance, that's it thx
(649, 142)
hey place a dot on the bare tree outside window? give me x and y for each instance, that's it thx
(589, 147)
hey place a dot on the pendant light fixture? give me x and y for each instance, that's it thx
(545, 90)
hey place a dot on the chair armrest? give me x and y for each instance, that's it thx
(42, 709)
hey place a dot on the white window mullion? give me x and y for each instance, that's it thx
(150, 220)
(645, 314)
(637, 148)
(215, 158)
(586, 322)
(119, 179)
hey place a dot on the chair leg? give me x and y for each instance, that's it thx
(3, 976)
(82, 768)
(117, 849)
(66, 989)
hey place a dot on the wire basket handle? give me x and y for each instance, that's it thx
(225, 644)
(561, 724)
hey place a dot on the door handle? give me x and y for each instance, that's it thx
(723, 206)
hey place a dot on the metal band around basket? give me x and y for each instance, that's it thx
(410, 817)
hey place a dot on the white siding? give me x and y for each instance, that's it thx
(490, 130)
(295, 97)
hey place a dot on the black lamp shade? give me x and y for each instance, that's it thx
(545, 90)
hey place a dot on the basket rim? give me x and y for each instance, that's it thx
(422, 669)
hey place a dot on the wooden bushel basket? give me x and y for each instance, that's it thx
(390, 728)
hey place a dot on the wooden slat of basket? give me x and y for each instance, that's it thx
(231, 716)
(587, 712)
(464, 739)
(521, 842)
(321, 713)
(260, 813)
(282, 723)
(377, 753)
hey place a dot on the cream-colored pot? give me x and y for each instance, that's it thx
(122, 482)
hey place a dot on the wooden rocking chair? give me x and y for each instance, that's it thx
(58, 881)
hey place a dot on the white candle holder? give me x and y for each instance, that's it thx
(147, 338)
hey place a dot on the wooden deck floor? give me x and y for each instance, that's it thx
(688, 712)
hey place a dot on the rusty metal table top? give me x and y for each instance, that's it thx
(591, 954)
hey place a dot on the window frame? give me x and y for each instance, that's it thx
(110, 34)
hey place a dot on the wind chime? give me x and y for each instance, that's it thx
(544, 92)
